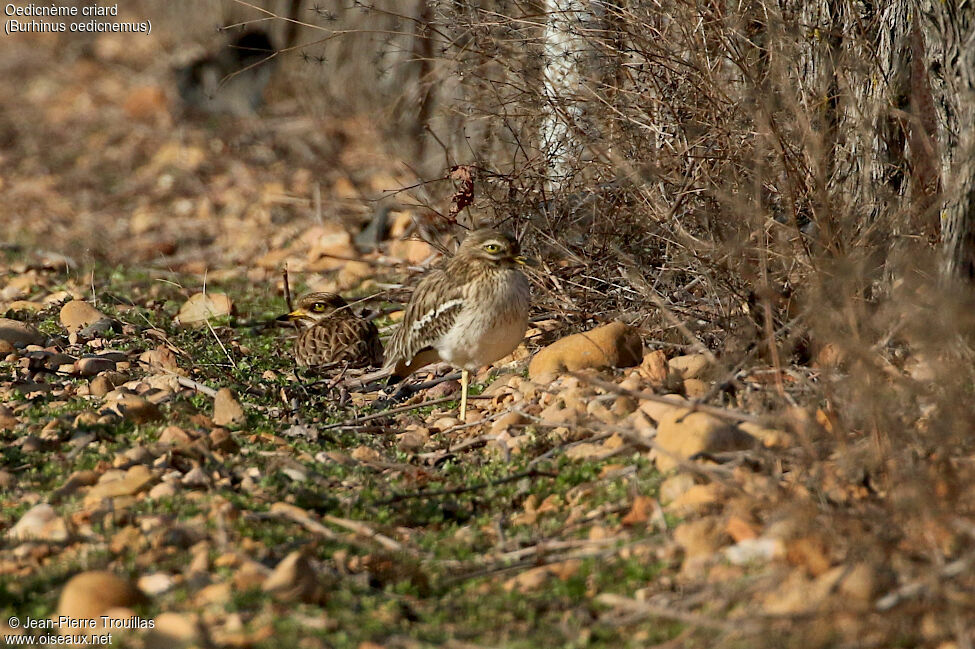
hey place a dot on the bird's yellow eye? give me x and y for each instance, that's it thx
(492, 248)
(318, 307)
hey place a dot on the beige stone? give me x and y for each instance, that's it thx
(78, 314)
(176, 631)
(135, 480)
(860, 583)
(414, 440)
(691, 366)
(92, 365)
(137, 409)
(586, 451)
(196, 478)
(105, 383)
(769, 437)
(40, 523)
(699, 538)
(443, 423)
(366, 454)
(697, 498)
(78, 479)
(641, 425)
(162, 490)
(25, 305)
(250, 574)
(696, 388)
(174, 435)
(412, 251)
(295, 579)
(613, 345)
(675, 486)
(353, 273)
(90, 594)
(656, 410)
(507, 421)
(654, 368)
(222, 439)
(138, 454)
(682, 434)
(574, 398)
(556, 414)
(798, 594)
(16, 332)
(598, 410)
(156, 584)
(215, 594)
(330, 247)
(163, 382)
(529, 580)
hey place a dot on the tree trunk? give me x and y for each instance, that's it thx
(949, 31)
(564, 50)
(423, 57)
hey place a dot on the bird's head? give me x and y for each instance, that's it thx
(492, 246)
(314, 307)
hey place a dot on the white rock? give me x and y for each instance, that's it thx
(40, 522)
(156, 583)
(760, 550)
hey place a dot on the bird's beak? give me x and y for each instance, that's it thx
(297, 314)
(525, 261)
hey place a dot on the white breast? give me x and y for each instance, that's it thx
(491, 323)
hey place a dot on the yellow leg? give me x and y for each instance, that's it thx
(463, 395)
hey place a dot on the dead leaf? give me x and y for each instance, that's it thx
(464, 195)
(529, 580)
(227, 411)
(640, 511)
(203, 307)
(366, 454)
(740, 529)
(810, 553)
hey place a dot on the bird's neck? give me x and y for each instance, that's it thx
(467, 269)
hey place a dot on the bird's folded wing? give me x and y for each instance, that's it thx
(350, 340)
(431, 313)
(370, 348)
(320, 344)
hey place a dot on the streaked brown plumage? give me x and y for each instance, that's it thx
(470, 312)
(332, 333)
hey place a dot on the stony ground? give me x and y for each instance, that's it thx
(163, 458)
